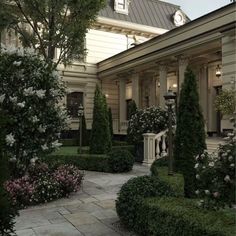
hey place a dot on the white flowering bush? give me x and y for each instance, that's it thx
(152, 120)
(215, 176)
(30, 93)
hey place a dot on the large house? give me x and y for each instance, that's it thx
(137, 49)
(121, 25)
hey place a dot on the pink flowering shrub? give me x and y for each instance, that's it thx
(215, 176)
(69, 178)
(42, 185)
(21, 191)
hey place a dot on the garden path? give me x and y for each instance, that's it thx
(89, 212)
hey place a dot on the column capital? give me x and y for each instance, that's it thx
(183, 61)
(162, 66)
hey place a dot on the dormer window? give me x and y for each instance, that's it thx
(121, 6)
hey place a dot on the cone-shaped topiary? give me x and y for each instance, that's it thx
(85, 137)
(190, 134)
(100, 141)
(132, 109)
(110, 122)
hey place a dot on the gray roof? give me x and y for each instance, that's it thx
(153, 13)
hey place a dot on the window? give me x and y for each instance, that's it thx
(121, 6)
(73, 101)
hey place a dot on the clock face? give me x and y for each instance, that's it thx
(179, 18)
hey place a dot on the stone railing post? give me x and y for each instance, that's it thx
(149, 148)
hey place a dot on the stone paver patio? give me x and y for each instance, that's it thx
(89, 212)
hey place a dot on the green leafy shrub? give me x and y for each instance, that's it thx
(190, 133)
(181, 216)
(93, 162)
(121, 161)
(158, 163)
(152, 119)
(132, 194)
(129, 148)
(225, 102)
(7, 211)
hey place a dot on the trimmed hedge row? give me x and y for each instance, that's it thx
(82, 161)
(181, 216)
(118, 161)
(69, 142)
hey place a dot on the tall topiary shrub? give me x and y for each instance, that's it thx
(7, 211)
(110, 122)
(190, 134)
(85, 138)
(100, 141)
(132, 108)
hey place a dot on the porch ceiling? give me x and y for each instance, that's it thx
(199, 39)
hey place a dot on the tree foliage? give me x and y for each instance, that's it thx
(30, 96)
(49, 24)
(7, 212)
(226, 102)
(190, 134)
(110, 122)
(100, 141)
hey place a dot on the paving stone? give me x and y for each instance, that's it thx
(107, 204)
(83, 207)
(25, 232)
(28, 223)
(88, 199)
(105, 196)
(81, 218)
(97, 229)
(93, 191)
(104, 214)
(64, 229)
(58, 220)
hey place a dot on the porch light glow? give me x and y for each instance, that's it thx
(218, 71)
(175, 85)
(107, 95)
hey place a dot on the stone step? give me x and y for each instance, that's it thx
(213, 144)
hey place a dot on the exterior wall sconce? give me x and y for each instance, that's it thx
(218, 71)
(175, 85)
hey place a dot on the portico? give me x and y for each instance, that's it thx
(145, 72)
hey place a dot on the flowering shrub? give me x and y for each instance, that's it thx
(30, 92)
(43, 185)
(216, 176)
(152, 119)
(225, 102)
(46, 189)
(69, 178)
(21, 191)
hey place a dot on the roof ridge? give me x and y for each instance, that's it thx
(166, 3)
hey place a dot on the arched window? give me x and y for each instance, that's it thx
(73, 101)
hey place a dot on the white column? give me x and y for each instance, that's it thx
(122, 102)
(135, 88)
(163, 83)
(183, 63)
(152, 86)
(149, 148)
